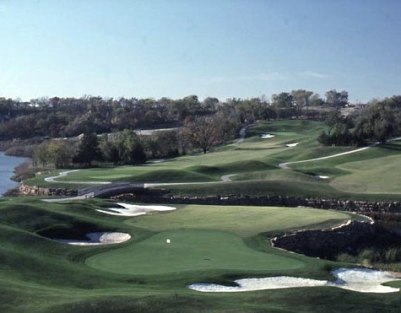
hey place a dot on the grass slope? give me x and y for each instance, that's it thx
(256, 161)
(40, 275)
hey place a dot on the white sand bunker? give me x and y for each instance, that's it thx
(266, 136)
(358, 279)
(324, 177)
(253, 284)
(136, 210)
(364, 280)
(96, 239)
(292, 144)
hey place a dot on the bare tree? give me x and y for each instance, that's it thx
(203, 132)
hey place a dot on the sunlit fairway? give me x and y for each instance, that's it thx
(255, 161)
(380, 175)
(244, 221)
(254, 154)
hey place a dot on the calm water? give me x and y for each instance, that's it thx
(7, 164)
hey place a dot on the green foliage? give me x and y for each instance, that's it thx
(130, 149)
(88, 150)
(57, 153)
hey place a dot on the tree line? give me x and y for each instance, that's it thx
(129, 148)
(378, 121)
(68, 117)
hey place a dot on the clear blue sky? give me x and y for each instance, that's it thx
(221, 48)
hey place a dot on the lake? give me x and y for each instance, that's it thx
(7, 165)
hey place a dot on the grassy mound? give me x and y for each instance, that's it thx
(256, 161)
(145, 274)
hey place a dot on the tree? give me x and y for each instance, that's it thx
(108, 150)
(283, 104)
(301, 99)
(210, 104)
(203, 132)
(55, 152)
(40, 155)
(130, 148)
(88, 150)
(380, 120)
(336, 99)
(315, 100)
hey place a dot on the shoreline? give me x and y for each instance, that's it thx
(12, 174)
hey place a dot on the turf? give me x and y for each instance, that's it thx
(256, 163)
(145, 274)
(241, 220)
(190, 251)
(380, 175)
(208, 243)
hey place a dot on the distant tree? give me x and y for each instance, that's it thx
(57, 153)
(379, 120)
(108, 150)
(203, 132)
(41, 156)
(315, 100)
(301, 99)
(209, 104)
(61, 153)
(336, 99)
(161, 144)
(130, 148)
(88, 150)
(283, 104)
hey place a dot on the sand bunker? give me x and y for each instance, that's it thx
(136, 210)
(96, 239)
(292, 144)
(266, 136)
(357, 279)
(323, 177)
(364, 280)
(253, 284)
(156, 161)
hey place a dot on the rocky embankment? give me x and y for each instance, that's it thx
(327, 243)
(154, 196)
(41, 191)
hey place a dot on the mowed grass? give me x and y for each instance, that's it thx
(253, 154)
(209, 238)
(190, 251)
(256, 163)
(374, 171)
(145, 274)
(245, 221)
(380, 175)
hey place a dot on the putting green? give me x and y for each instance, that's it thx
(190, 251)
(209, 238)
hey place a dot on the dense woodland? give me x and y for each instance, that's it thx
(68, 117)
(377, 121)
(89, 131)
